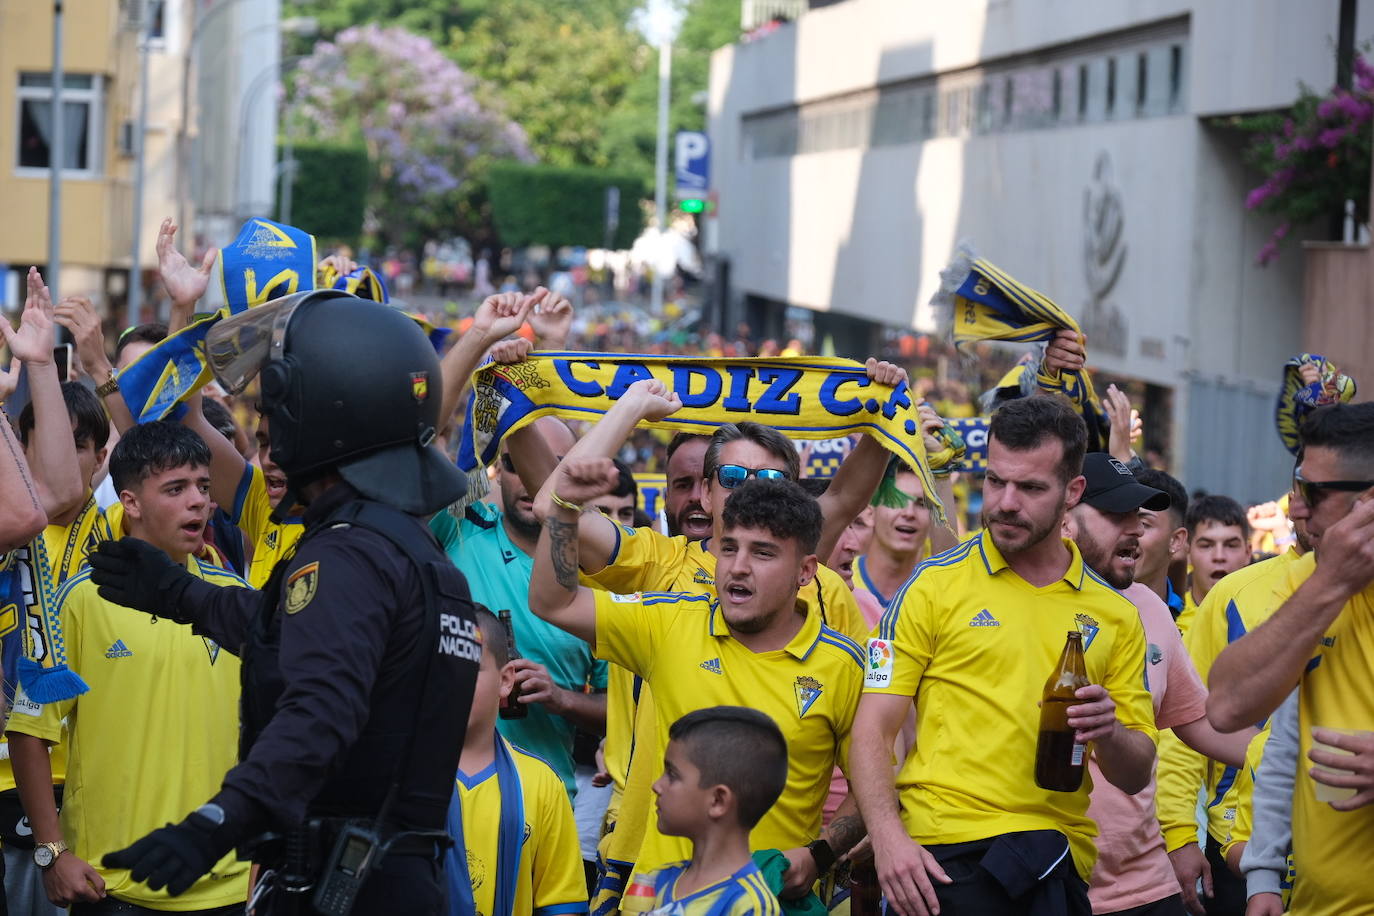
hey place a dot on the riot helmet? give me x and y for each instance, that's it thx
(349, 385)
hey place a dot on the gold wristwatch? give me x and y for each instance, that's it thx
(44, 854)
(109, 386)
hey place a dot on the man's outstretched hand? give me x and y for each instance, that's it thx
(135, 574)
(175, 856)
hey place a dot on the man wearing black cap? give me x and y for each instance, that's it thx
(1133, 871)
(361, 652)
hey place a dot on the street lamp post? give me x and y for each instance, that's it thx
(135, 299)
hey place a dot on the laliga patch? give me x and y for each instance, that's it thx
(419, 386)
(23, 705)
(625, 599)
(878, 672)
(300, 588)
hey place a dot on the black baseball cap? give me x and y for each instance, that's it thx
(1113, 488)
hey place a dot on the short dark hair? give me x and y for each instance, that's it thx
(83, 408)
(220, 418)
(494, 635)
(1222, 510)
(1347, 430)
(780, 507)
(1023, 424)
(154, 332)
(679, 440)
(739, 748)
(150, 448)
(765, 436)
(625, 484)
(1178, 494)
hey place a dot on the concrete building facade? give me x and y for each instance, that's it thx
(1074, 145)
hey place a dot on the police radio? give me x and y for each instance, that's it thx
(355, 852)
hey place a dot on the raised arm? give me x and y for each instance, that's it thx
(555, 595)
(185, 283)
(1254, 674)
(226, 464)
(76, 314)
(23, 517)
(497, 317)
(649, 399)
(55, 468)
(858, 477)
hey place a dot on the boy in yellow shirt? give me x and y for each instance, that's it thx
(516, 848)
(723, 769)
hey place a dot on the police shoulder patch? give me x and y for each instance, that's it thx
(300, 587)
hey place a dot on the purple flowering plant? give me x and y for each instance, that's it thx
(1314, 156)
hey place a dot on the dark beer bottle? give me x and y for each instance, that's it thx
(1058, 760)
(865, 894)
(511, 707)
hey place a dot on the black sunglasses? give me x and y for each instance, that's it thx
(1310, 491)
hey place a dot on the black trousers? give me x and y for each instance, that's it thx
(1228, 890)
(973, 891)
(111, 906)
(1169, 906)
(410, 884)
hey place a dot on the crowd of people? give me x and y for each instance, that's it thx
(788, 695)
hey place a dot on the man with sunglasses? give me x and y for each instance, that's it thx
(1233, 606)
(1321, 640)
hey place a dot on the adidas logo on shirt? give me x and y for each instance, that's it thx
(984, 619)
(712, 665)
(119, 650)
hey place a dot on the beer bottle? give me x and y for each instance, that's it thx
(865, 894)
(1058, 759)
(511, 707)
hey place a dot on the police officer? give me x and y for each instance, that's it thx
(361, 652)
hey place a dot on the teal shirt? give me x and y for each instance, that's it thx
(499, 573)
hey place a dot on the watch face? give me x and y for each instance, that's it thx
(42, 856)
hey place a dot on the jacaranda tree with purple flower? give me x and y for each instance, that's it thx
(1315, 156)
(429, 139)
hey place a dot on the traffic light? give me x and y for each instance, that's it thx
(692, 205)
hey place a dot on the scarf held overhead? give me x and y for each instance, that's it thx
(811, 398)
(985, 303)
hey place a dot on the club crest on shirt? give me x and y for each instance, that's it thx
(300, 587)
(1088, 627)
(808, 690)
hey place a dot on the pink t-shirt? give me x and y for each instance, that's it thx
(1132, 864)
(839, 786)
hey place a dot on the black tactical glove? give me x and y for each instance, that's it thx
(136, 574)
(178, 855)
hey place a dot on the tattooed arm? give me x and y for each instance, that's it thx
(555, 594)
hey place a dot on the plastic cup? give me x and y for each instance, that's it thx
(1324, 792)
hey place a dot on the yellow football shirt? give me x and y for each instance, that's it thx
(646, 561)
(1330, 847)
(973, 643)
(1244, 790)
(550, 878)
(272, 541)
(178, 694)
(682, 647)
(1236, 605)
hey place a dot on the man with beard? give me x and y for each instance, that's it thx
(494, 548)
(682, 496)
(1133, 872)
(974, 635)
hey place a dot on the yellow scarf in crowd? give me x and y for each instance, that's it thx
(803, 398)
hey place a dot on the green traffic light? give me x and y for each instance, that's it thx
(693, 205)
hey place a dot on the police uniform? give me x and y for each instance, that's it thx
(361, 653)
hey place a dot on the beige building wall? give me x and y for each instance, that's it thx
(97, 208)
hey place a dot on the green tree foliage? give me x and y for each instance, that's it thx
(329, 190)
(556, 206)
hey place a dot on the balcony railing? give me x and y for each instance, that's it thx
(754, 13)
